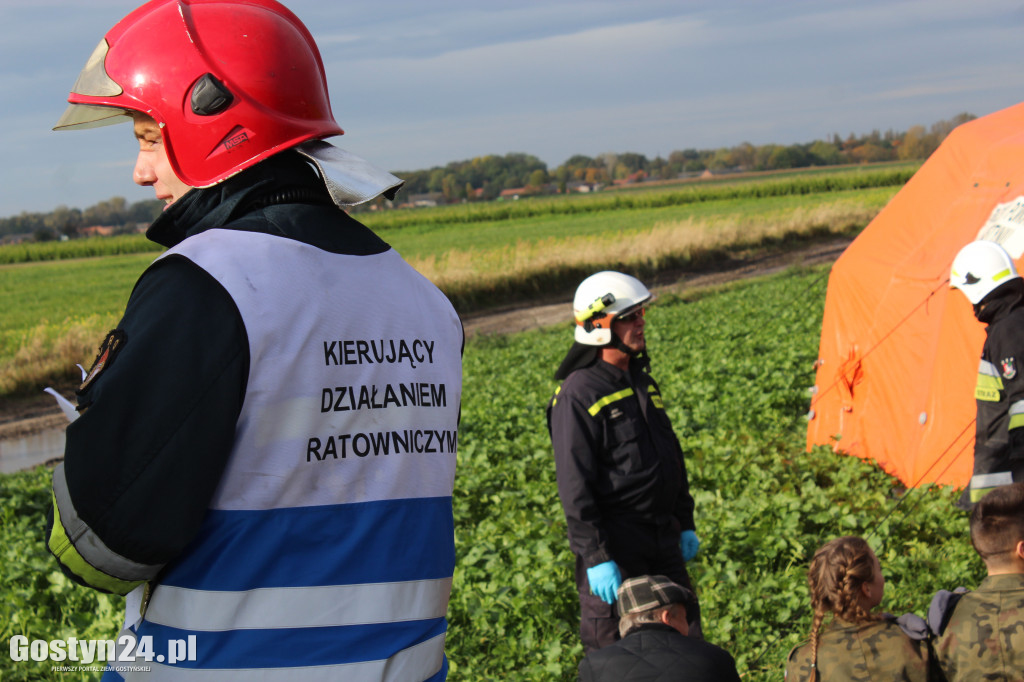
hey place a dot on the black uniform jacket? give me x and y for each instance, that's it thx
(999, 436)
(658, 653)
(616, 457)
(158, 419)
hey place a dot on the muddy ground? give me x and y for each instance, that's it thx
(22, 417)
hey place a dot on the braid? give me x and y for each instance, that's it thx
(815, 640)
(836, 574)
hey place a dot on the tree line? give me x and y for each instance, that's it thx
(485, 177)
(63, 221)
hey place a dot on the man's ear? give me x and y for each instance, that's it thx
(1020, 549)
(675, 617)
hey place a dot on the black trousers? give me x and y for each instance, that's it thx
(638, 550)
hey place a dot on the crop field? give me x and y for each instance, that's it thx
(60, 297)
(735, 366)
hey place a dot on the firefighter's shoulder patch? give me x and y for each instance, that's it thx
(109, 349)
(1009, 367)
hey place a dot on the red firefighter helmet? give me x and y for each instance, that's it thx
(230, 82)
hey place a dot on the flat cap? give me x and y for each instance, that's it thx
(648, 592)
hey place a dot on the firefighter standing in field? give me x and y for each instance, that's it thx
(986, 275)
(621, 475)
(245, 449)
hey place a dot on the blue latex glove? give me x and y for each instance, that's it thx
(604, 581)
(689, 543)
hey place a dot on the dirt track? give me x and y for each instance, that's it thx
(532, 317)
(24, 417)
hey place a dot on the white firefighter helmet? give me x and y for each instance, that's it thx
(979, 268)
(600, 299)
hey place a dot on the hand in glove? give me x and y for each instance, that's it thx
(604, 581)
(689, 543)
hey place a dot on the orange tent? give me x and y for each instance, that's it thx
(899, 350)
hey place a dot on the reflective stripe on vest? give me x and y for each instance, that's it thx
(407, 664)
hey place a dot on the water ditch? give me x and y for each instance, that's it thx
(36, 442)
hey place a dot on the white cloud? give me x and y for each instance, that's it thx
(418, 84)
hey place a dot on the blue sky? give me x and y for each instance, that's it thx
(416, 84)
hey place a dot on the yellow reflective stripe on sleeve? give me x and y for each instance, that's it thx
(609, 399)
(987, 368)
(989, 385)
(982, 484)
(656, 400)
(976, 495)
(60, 544)
(1016, 413)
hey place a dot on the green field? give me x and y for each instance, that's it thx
(734, 366)
(60, 297)
(432, 240)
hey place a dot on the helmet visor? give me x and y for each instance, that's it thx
(93, 81)
(631, 313)
(81, 116)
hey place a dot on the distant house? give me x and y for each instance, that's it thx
(514, 192)
(639, 176)
(424, 200)
(96, 231)
(582, 187)
(16, 238)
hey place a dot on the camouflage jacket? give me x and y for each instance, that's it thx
(878, 651)
(980, 634)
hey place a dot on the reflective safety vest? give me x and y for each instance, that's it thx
(328, 550)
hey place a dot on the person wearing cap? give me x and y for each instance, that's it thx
(655, 644)
(987, 276)
(621, 476)
(247, 466)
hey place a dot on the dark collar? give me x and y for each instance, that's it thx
(646, 627)
(285, 177)
(1002, 300)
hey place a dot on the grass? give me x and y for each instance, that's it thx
(472, 278)
(56, 313)
(58, 310)
(734, 366)
(91, 247)
(433, 240)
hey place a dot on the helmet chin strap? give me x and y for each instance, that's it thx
(617, 343)
(639, 356)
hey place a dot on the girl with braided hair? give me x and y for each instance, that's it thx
(857, 644)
